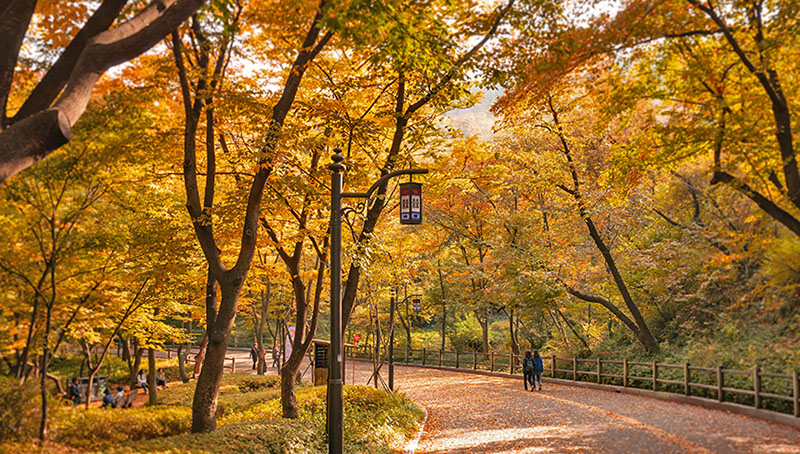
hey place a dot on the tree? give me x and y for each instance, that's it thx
(712, 75)
(230, 280)
(45, 119)
(413, 71)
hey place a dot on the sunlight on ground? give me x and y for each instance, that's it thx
(511, 440)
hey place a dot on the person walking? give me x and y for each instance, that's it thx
(538, 368)
(275, 355)
(254, 355)
(528, 366)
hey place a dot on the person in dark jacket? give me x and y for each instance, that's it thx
(74, 393)
(108, 399)
(254, 355)
(538, 368)
(528, 366)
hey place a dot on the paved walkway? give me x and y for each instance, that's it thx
(493, 415)
(480, 414)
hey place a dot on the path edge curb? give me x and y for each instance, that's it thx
(413, 444)
(764, 415)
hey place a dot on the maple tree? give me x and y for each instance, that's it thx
(45, 116)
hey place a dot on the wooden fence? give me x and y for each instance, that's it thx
(765, 390)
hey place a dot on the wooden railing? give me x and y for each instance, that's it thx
(766, 390)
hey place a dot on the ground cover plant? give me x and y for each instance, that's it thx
(250, 421)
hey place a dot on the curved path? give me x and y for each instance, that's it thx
(481, 414)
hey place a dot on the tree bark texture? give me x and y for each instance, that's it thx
(151, 377)
(230, 279)
(43, 126)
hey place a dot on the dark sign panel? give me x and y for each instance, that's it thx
(321, 356)
(410, 203)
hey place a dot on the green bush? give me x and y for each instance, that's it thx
(265, 437)
(19, 409)
(114, 368)
(467, 335)
(100, 427)
(249, 421)
(251, 383)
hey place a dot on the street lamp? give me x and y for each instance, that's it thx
(391, 336)
(335, 395)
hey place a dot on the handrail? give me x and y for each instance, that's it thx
(671, 378)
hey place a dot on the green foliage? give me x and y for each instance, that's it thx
(466, 335)
(19, 408)
(100, 427)
(114, 368)
(263, 437)
(258, 383)
(249, 421)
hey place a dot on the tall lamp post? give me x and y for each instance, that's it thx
(391, 336)
(336, 353)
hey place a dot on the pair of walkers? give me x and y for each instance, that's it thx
(532, 368)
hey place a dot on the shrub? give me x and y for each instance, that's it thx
(265, 437)
(30, 446)
(114, 368)
(99, 427)
(467, 335)
(258, 382)
(19, 409)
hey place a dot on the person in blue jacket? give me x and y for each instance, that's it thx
(538, 368)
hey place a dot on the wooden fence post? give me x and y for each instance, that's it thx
(686, 378)
(457, 361)
(599, 370)
(169, 354)
(625, 372)
(796, 393)
(655, 375)
(553, 368)
(233, 364)
(720, 384)
(423, 356)
(474, 359)
(491, 364)
(574, 369)
(406, 361)
(440, 358)
(757, 387)
(511, 362)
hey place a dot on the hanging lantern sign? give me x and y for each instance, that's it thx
(410, 203)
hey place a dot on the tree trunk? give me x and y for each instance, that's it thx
(151, 376)
(204, 404)
(512, 333)
(199, 358)
(137, 363)
(574, 330)
(642, 332)
(183, 353)
(43, 381)
(261, 367)
(484, 322)
(289, 407)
